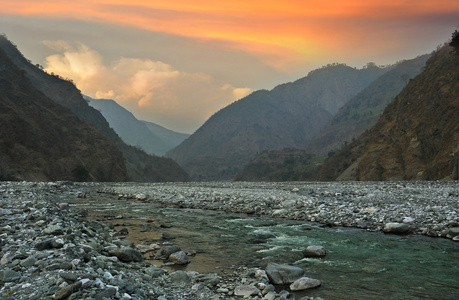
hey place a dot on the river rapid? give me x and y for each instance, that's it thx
(225, 225)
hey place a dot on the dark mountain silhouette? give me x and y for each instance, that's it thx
(363, 110)
(150, 137)
(417, 136)
(41, 140)
(287, 116)
(140, 166)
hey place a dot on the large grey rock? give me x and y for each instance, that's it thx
(180, 277)
(314, 251)
(168, 250)
(28, 262)
(67, 291)
(126, 254)
(53, 230)
(8, 275)
(282, 273)
(304, 283)
(396, 228)
(452, 232)
(179, 258)
(246, 290)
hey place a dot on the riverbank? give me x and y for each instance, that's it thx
(427, 208)
(50, 250)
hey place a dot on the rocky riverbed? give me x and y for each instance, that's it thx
(51, 250)
(429, 208)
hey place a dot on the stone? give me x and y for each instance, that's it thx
(106, 293)
(179, 258)
(246, 290)
(53, 230)
(304, 283)
(452, 232)
(154, 271)
(180, 277)
(43, 245)
(168, 236)
(64, 206)
(283, 273)
(68, 276)
(397, 228)
(28, 262)
(314, 251)
(211, 279)
(168, 250)
(126, 254)
(67, 291)
(8, 275)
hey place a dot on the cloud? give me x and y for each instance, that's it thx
(151, 90)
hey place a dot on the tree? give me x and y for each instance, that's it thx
(455, 41)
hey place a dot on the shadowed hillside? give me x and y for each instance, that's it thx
(140, 166)
(364, 110)
(417, 136)
(41, 140)
(284, 117)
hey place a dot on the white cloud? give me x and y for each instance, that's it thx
(151, 90)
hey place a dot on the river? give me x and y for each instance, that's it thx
(359, 264)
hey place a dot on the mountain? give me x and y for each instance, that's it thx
(363, 110)
(147, 136)
(140, 166)
(416, 137)
(288, 164)
(169, 137)
(42, 141)
(284, 117)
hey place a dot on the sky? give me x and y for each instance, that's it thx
(177, 62)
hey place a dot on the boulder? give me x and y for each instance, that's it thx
(397, 228)
(304, 283)
(246, 290)
(314, 251)
(452, 232)
(180, 277)
(179, 258)
(283, 274)
(168, 250)
(126, 254)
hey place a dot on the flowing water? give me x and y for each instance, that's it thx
(358, 264)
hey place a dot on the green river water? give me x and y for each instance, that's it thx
(358, 264)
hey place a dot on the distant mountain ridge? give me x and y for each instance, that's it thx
(284, 117)
(416, 137)
(150, 137)
(139, 165)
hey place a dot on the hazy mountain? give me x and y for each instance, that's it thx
(147, 136)
(140, 166)
(364, 109)
(169, 137)
(41, 140)
(417, 136)
(287, 116)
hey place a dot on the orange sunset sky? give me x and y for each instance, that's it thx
(176, 63)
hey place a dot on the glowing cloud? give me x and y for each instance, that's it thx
(151, 90)
(281, 33)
